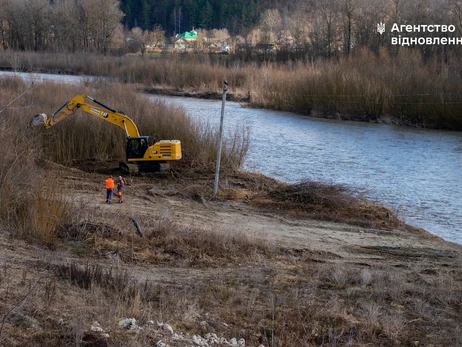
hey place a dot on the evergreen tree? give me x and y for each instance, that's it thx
(146, 15)
(206, 15)
(127, 8)
(191, 14)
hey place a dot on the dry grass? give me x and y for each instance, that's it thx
(182, 72)
(30, 202)
(201, 246)
(281, 303)
(163, 241)
(401, 88)
(263, 293)
(326, 202)
(282, 298)
(367, 87)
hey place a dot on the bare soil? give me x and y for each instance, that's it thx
(415, 255)
(165, 195)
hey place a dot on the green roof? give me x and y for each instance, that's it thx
(189, 35)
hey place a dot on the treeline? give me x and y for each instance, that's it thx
(321, 28)
(61, 25)
(98, 25)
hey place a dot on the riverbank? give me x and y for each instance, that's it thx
(195, 94)
(246, 100)
(401, 88)
(266, 262)
(228, 266)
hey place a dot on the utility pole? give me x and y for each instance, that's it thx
(220, 137)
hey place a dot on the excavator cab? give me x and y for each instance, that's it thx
(137, 147)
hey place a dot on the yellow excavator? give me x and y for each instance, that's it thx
(140, 156)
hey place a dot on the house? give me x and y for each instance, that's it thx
(180, 44)
(224, 48)
(188, 35)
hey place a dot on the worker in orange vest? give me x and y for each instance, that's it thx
(109, 189)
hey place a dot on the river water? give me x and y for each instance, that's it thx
(416, 172)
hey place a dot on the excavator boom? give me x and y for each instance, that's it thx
(102, 111)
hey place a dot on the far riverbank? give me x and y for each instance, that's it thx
(402, 89)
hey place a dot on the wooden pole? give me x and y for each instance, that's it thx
(220, 137)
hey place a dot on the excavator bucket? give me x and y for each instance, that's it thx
(39, 119)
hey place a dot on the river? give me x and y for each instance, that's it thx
(416, 172)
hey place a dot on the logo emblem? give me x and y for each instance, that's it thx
(380, 28)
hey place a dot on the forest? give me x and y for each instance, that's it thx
(178, 16)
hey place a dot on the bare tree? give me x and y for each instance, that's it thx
(14, 22)
(367, 15)
(103, 21)
(271, 24)
(85, 25)
(3, 24)
(177, 15)
(253, 37)
(326, 31)
(455, 11)
(396, 9)
(137, 40)
(348, 8)
(25, 24)
(299, 25)
(157, 36)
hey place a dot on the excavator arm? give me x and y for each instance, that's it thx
(101, 111)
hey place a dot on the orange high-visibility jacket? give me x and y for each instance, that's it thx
(109, 183)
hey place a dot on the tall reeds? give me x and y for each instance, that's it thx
(30, 203)
(401, 88)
